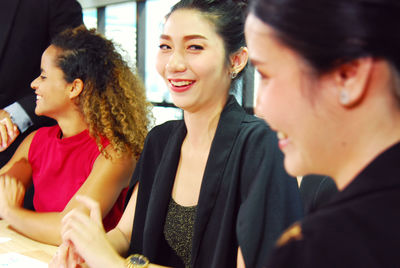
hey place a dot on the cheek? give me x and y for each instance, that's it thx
(264, 102)
(160, 63)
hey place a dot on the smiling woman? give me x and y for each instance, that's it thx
(209, 190)
(100, 108)
(338, 114)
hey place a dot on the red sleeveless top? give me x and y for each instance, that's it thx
(61, 166)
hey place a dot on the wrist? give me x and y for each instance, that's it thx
(7, 211)
(136, 261)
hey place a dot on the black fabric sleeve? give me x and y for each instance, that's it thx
(272, 200)
(64, 14)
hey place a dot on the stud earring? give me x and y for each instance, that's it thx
(233, 75)
(344, 97)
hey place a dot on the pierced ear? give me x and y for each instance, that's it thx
(76, 89)
(239, 60)
(352, 80)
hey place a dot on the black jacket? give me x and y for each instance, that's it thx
(358, 228)
(246, 198)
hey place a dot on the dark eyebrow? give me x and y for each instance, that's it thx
(186, 38)
(163, 36)
(255, 62)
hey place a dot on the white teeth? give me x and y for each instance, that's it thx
(281, 135)
(38, 97)
(181, 83)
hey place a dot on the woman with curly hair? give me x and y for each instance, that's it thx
(102, 115)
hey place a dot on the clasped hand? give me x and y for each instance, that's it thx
(85, 242)
(8, 131)
(12, 193)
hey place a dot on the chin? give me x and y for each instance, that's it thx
(181, 102)
(295, 168)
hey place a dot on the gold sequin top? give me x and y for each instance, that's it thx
(179, 229)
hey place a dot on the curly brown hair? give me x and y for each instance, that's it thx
(113, 100)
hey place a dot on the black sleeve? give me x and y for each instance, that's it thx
(64, 14)
(272, 201)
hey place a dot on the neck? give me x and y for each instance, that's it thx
(202, 125)
(72, 124)
(364, 150)
(369, 130)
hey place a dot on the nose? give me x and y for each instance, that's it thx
(258, 111)
(176, 62)
(34, 83)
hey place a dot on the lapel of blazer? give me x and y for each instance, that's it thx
(8, 10)
(161, 191)
(227, 130)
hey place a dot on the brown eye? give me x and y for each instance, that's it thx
(196, 47)
(164, 47)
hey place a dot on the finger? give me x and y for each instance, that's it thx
(6, 182)
(3, 135)
(61, 255)
(71, 263)
(2, 179)
(75, 215)
(21, 187)
(10, 126)
(74, 236)
(74, 223)
(77, 258)
(93, 206)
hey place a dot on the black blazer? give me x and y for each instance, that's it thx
(359, 227)
(246, 198)
(26, 28)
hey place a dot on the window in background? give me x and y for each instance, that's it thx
(90, 18)
(155, 13)
(120, 26)
(156, 88)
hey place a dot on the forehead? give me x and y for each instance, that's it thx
(264, 45)
(50, 55)
(186, 22)
(259, 38)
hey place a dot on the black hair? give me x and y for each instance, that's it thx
(86, 55)
(327, 33)
(228, 16)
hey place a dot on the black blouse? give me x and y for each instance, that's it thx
(358, 228)
(246, 198)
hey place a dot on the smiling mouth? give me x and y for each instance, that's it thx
(180, 83)
(283, 140)
(281, 135)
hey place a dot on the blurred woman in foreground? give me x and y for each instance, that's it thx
(330, 86)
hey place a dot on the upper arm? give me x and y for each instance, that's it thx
(126, 222)
(105, 182)
(18, 166)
